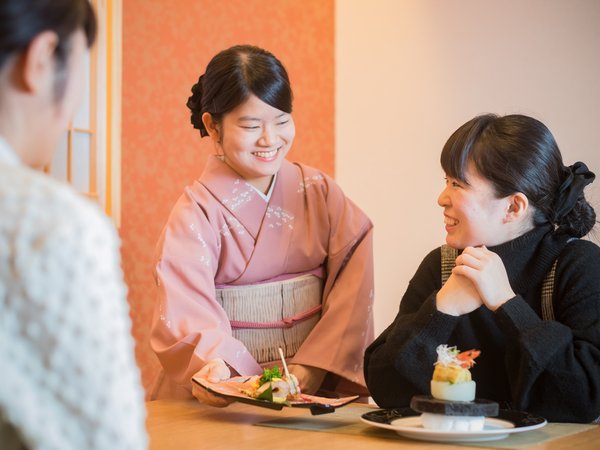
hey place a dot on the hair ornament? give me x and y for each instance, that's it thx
(194, 103)
(578, 177)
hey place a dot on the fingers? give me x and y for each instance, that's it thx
(467, 271)
(215, 370)
(475, 257)
(310, 378)
(486, 271)
(218, 373)
(210, 399)
(478, 263)
(457, 296)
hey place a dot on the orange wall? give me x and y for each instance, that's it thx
(166, 45)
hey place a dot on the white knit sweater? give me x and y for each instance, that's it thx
(68, 378)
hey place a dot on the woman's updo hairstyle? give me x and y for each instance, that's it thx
(232, 76)
(22, 20)
(518, 153)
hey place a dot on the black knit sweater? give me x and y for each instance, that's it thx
(549, 368)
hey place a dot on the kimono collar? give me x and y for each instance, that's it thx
(7, 154)
(266, 197)
(238, 196)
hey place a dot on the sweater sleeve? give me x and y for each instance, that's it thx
(407, 346)
(555, 365)
(71, 381)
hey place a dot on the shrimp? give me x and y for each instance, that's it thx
(467, 358)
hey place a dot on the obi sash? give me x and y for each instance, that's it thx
(267, 316)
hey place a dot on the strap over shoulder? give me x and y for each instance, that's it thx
(547, 291)
(449, 255)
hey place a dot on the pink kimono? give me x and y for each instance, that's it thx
(221, 232)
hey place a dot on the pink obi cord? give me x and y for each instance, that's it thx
(288, 322)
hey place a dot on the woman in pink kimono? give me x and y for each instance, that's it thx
(260, 253)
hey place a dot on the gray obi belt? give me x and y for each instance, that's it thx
(277, 314)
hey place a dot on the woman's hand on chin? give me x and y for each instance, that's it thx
(486, 271)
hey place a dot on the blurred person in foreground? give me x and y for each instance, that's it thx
(69, 379)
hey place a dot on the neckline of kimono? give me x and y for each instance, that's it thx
(266, 197)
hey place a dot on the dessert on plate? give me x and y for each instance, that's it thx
(452, 405)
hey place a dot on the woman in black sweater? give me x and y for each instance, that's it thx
(514, 213)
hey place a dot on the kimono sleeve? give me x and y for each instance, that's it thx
(189, 326)
(339, 339)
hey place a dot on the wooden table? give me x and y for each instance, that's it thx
(182, 425)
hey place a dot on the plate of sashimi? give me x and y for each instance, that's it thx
(272, 390)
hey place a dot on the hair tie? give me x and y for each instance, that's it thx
(571, 189)
(194, 103)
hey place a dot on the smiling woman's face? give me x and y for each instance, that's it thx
(254, 139)
(473, 215)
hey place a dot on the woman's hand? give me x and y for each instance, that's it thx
(486, 271)
(458, 296)
(214, 371)
(309, 378)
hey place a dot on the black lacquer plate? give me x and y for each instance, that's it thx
(407, 423)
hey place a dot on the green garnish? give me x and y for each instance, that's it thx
(269, 374)
(267, 394)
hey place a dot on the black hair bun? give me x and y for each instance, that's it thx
(194, 103)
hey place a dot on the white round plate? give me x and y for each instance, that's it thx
(407, 423)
